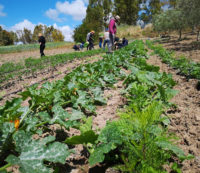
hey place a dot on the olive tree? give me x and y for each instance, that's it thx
(190, 9)
(170, 20)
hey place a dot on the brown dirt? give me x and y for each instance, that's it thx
(188, 47)
(20, 56)
(19, 85)
(109, 112)
(185, 121)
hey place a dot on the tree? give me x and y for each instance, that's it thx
(172, 3)
(57, 35)
(48, 33)
(14, 36)
(153, 7)
(127, 10)
(20, 35)
(38, 29)
(191, 11)
(27, 36)
(5, 38)
(93, 21)
(107, 11)
(170, 20)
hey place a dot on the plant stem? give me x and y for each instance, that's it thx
(6, 166)
(26, 114)
(38, 125)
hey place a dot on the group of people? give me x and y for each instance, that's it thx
(109, 39)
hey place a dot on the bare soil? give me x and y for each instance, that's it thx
(20, 56)
(188, 46)
(185, 120)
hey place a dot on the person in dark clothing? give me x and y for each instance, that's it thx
(124, 42)
(118, 44)
(42, 42)
(90, 39)
(76, 47)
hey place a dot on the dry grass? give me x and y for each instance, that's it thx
(129, 31)
(135, 32)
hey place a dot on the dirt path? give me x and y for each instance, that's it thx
(19, 85)
(185, 120)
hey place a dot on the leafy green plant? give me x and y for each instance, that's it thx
(183, 65)
(138, 137)
(129, 143)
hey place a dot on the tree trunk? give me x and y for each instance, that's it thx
(180, 34)
(198, 35)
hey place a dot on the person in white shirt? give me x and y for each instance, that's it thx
(106, 39)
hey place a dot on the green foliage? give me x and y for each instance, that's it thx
(152, 8)
(127, 10)
(190, 10)
(57, 36)
(129, 143)
(32, 65)
(170, 20)
(137, 138)
(6, 38)
(33, 153)
(183, 65)
(92, 21)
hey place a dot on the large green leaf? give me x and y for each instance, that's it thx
(84, 138)
(64, 118)
(109, 139)
(33, 153)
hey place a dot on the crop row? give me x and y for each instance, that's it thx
(32, 65)
(29, 47)
(185, 66)
(129, 143)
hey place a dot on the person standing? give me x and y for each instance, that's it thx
(106, 39)
(112, 31)
(90, 39)
(42, 42)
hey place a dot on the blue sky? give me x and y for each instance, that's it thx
(63, 14)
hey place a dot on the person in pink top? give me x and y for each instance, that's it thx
(112, 31)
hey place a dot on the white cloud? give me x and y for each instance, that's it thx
(77, 9)
(1, 11)
(53, 14)
(3, 26)
(24, 24)
(66, 31)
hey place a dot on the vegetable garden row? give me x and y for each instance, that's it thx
(32, 65)
(185, 66)
(137, 142)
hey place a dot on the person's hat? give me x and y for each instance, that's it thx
(117, 17)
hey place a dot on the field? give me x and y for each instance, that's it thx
(29, 47)
(81, 112)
